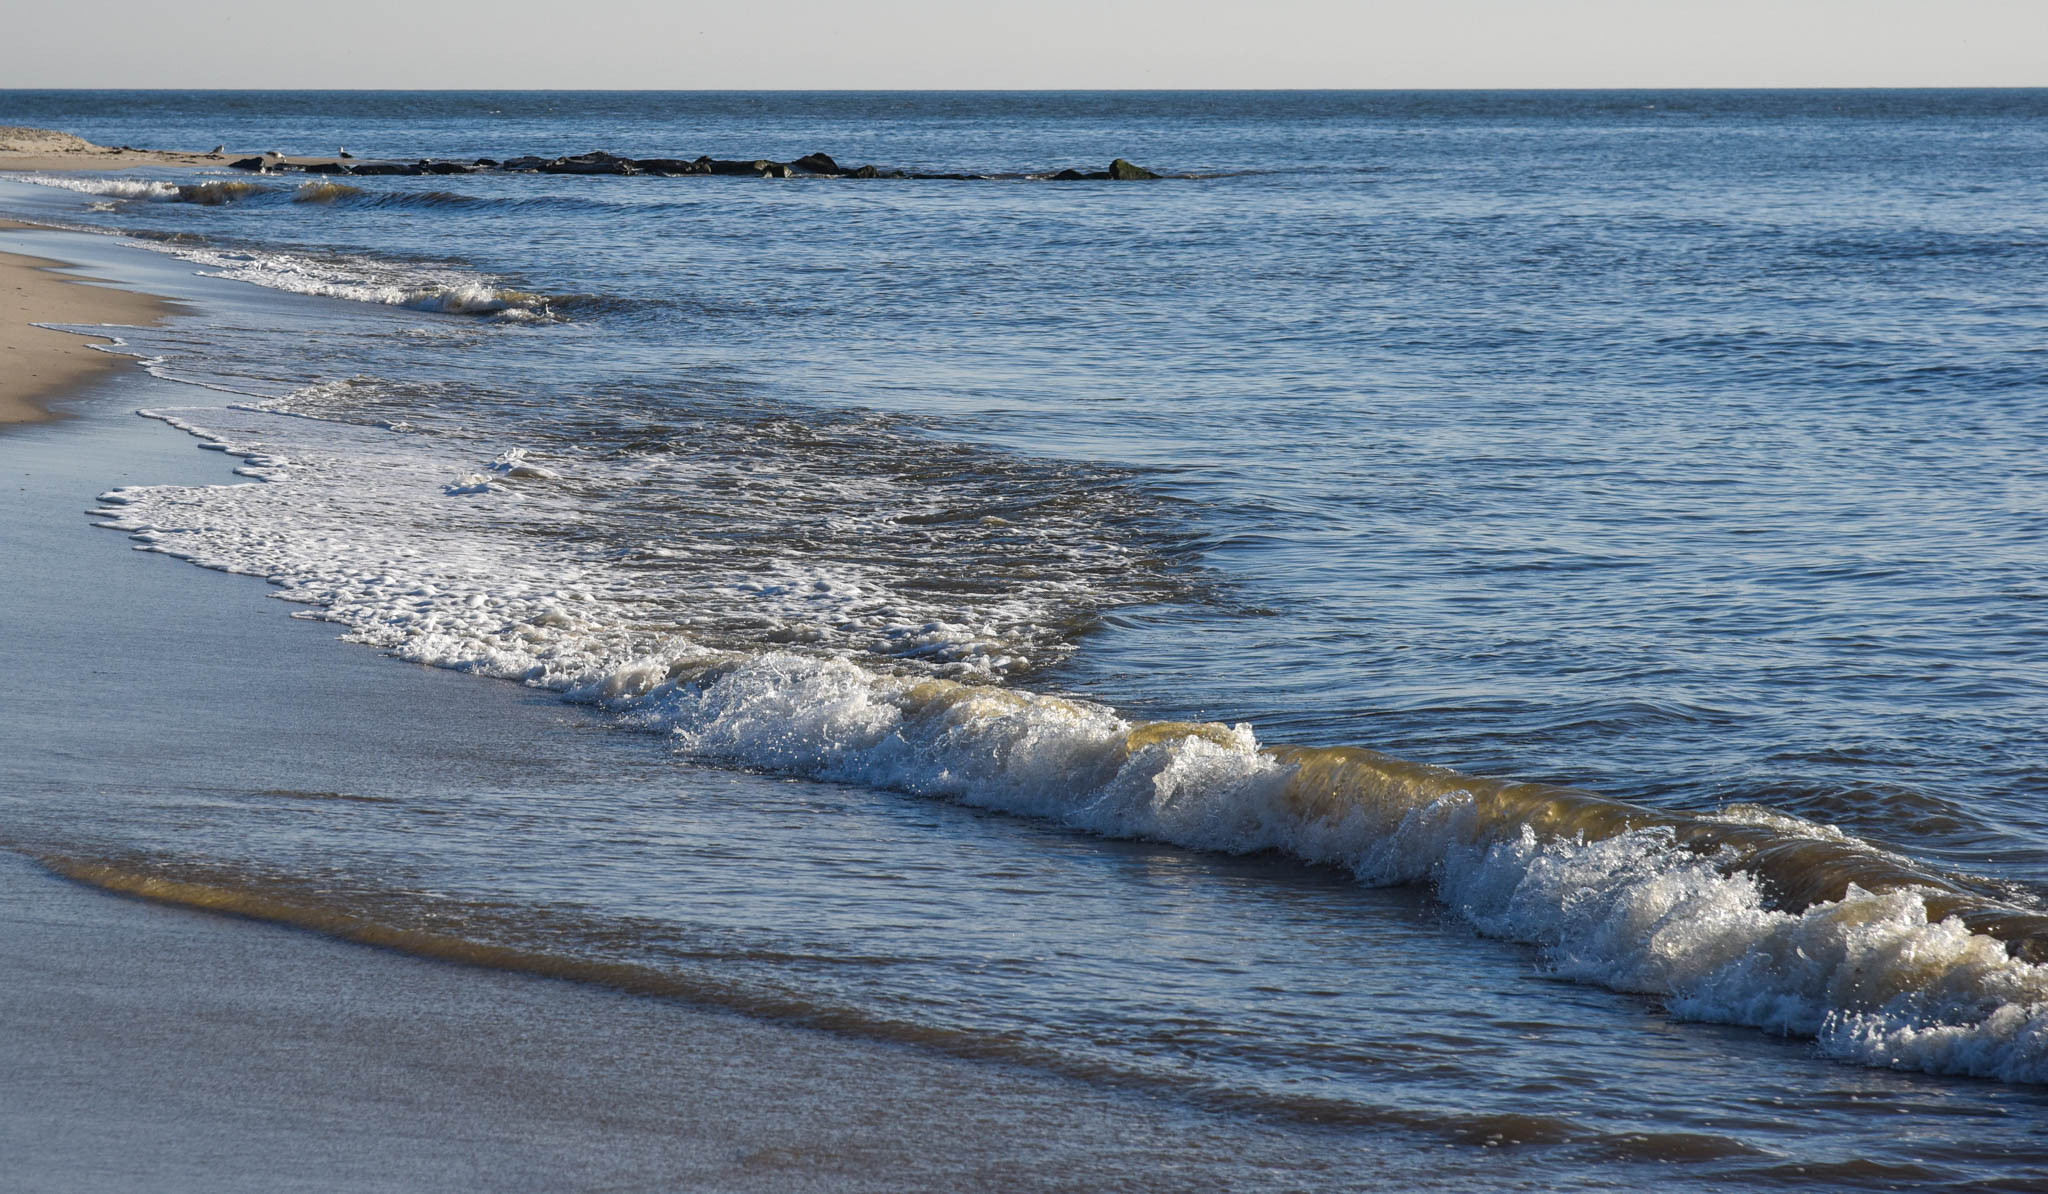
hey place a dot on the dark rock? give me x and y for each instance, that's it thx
(759, 167)
(598, 161)
(672, 166)
(594, 162)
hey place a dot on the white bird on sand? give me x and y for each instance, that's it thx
(218, 150)
(343, 152)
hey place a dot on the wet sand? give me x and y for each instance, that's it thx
(37, 364)
(154, 1048)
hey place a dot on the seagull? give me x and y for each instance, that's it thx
(343, 152)
(218, 150)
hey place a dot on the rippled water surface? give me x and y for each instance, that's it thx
(1683, 448)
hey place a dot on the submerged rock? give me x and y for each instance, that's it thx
(1124, 171)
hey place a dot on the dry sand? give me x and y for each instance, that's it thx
(45, 150)
(37, 364)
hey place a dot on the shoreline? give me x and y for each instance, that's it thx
(148, 1045)
(154, 1046)
(40, 366)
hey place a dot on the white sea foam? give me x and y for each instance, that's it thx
(426, 559)
(365, 281)
(356, 279)
(427, 505)
(113, 188)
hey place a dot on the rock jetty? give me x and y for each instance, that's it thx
(597, 161)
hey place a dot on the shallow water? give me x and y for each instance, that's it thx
(1679, 447)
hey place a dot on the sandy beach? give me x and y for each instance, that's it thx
(39, 364)
(46, 149)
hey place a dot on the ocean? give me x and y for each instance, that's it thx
(1500, 621)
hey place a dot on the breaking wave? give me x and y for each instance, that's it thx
(1740, 916)
(212, 193)
(365, 281)
(112, 188)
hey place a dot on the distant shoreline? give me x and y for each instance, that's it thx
(48, 150)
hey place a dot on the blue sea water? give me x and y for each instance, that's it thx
(1685, 448)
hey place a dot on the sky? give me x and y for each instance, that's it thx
(920, 44)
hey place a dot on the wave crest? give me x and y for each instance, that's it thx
(365, 281)
(1740, 917)
(1879, 962)
(212, 193)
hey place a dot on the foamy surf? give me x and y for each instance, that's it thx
(1739, 917)
(210, 193)
(364, 281)
(111, 188)
(351, 278)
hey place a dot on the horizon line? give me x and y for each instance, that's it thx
(1546, 90)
